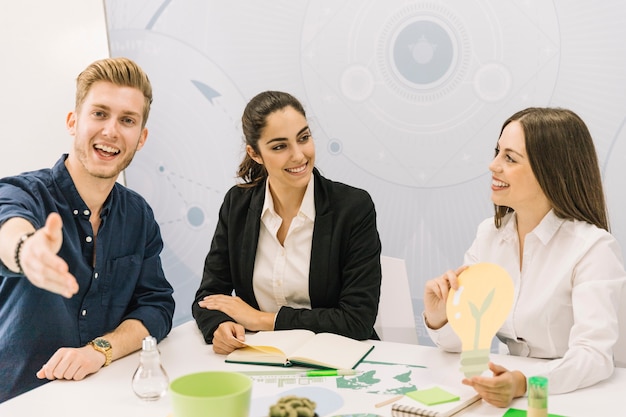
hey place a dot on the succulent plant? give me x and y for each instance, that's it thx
(293, 406)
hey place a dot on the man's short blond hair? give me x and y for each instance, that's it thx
(119, 71)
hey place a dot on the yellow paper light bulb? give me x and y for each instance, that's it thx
(477, 310)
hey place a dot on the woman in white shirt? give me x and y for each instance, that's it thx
(300, 251)
(550, 232)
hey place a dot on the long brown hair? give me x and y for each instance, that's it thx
(253, 122)
(563, 158)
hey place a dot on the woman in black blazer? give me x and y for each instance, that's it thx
(337, 222)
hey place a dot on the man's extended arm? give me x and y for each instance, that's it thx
(37, 254)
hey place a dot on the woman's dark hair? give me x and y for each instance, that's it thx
(253, 122)
(563, 158)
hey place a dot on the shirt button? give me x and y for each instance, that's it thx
(83, 313)
(88, 239)
(86, 212)
(75, 212)
(95, 275)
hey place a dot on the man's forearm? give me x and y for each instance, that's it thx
(126, 338)
(10, 233)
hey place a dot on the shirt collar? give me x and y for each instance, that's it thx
(308, 201)
(544, 231)
(65, 182)
(63, 178)
(307, 208)
(548, 227)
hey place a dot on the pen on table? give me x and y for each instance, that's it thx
(388, 401)
(330, 372)
(300, 373)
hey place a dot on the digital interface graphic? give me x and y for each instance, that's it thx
(404, 99)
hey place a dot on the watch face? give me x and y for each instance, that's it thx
(102, 343)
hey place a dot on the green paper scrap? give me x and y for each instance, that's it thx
(514, 412)
(432, 396)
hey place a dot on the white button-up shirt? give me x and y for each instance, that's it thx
(281, 272)
(566, 297)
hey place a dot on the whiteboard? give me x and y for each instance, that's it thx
(45, 45)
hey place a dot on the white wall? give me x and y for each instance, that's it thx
(44, 44)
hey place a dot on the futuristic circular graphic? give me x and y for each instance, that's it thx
(406, 99)
(188, 161)
(422, 55)
(417, 85)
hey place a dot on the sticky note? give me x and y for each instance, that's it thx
(432, 396)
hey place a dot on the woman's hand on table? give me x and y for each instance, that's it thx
(228, 337)
(501, 388)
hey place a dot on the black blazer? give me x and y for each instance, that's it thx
(344, 274)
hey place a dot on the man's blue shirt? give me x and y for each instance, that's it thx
(119, 274)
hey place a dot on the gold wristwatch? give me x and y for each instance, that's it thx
(103, 345)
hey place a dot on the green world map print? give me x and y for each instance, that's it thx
(382, 378)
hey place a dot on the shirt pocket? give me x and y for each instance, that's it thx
(120, 280)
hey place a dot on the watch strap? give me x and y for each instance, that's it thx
(107, 351)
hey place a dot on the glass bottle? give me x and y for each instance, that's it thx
(150, 381)
(537, 396)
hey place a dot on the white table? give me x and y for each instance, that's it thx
(109, 393)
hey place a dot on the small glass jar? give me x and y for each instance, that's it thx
(537, 396)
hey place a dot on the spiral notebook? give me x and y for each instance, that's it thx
(435, 402)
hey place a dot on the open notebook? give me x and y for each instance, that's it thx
(301, 347)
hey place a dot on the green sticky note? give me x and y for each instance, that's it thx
(432, 396)
(514, 412)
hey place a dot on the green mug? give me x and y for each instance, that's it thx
(211, 394)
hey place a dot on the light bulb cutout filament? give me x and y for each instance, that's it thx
(478, 314)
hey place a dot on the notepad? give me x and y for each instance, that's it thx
(433, 396)
(434, 402)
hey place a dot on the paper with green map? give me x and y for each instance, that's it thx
(383, 378)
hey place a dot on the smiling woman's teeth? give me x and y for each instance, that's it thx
(296, 170)
(499, 183)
